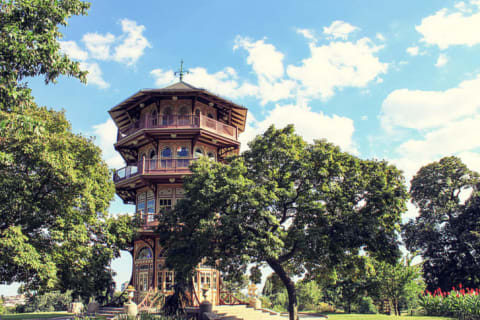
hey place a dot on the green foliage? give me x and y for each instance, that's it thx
(50, 301)
(294, 206)
(461, 303)
(55, 233)
(446, 231)
(2, 307)
(366, 306)
(399, 283)
(309, 295)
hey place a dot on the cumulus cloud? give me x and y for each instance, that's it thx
(307, 33)
(442, 60)
(94, 75)
(413, 51)
(105, 137)
(336, 65)
(452, 27)
(71, 49)
(133, 43)
(308, 123)
(223, 83)
(264, 58)
(339, 29)
(99, 45)
(431, 108)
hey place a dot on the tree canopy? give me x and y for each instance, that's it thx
(446, 232)
(288, 204)
(55, 232)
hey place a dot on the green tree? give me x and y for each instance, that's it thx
(397, 283)
(285, 203)
(55, 189)
(309, 295)
(446, 231)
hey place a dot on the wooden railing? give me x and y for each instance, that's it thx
(179, 121)
(161, 166)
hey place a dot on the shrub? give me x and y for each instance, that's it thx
(324, 307)
(366, 306)
(461, 303)
(50, 301)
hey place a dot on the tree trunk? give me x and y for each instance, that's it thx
(289, 284)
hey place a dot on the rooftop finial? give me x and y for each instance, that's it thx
(181, 72)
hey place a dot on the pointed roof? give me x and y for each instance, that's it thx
(120, 114)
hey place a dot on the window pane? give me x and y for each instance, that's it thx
(182, 151)
(198, 153)
(166, 152)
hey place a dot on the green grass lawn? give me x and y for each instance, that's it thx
(34, 315)
(340, 316)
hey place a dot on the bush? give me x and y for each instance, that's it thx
(50, 301)
(324, 307)
(462, 303)
(366, 306)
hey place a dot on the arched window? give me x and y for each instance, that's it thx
(144, 253)
(167, 118)
(210, 115)
(197, 117)
(211, 155)
(183, 116)
(198, 153)
(182, 151)
(154, 118)
(166, 161)
(166, 152)
(152, 159)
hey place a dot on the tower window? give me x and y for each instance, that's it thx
(182, 151)
(198, 153)
(144, 253)
(166, 152)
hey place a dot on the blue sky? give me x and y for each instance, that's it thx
(395, 80)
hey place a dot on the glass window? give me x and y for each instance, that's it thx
(154, 118)
(210, 115)
(166, 152)
(167, 118)
(183, 111)
(169, 280)
(141, 202)
(211, 156)
(164, 205)
(144, 253)
(182, 151)
(198, 153)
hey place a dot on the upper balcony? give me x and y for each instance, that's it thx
(189, 121)
(153, 168)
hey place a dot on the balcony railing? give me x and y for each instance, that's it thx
(180, 121)
(162, 166)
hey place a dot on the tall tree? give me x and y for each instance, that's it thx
(282, 203)
(55, 189)
(446, 231)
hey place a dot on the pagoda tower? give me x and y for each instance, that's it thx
(160, 133)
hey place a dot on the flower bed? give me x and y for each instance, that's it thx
(463, 303)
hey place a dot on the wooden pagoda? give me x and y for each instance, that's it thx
(160, 132)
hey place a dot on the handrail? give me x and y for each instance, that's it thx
(165, 165)
(230, 297)
(179, 121)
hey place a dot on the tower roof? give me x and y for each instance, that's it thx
(120, 113)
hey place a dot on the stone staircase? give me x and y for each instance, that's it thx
(242, 312)
(110, 312)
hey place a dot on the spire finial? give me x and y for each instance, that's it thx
(181, 72)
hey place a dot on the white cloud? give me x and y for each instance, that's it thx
(94, 74)
(442, 60)
(307, 33)
(380, 36)
(430, 108)
(133, 43)
(264, 58)
(309, 124)
(163, 78)
(99, 45)
(413, 51)
(454, 137)
(447, 28)
(71, 49)
(339, 29)
(106, 136)
(337, 65)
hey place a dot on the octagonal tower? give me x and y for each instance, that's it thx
(160, 132)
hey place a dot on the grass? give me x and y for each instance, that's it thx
(34, 315)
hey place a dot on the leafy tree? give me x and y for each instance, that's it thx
(55, 232)
(446, 231)
(309, 295)
(285, 203)
(397, 283)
